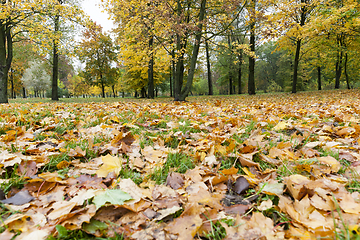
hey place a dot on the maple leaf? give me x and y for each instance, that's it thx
(112, 196)
(111, 164)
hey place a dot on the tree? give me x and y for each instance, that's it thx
(97, 51)
(29, 18)
(294, 15)
(177, 26)
(338, 26)
(36, 78)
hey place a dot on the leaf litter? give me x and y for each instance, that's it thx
(260, 167)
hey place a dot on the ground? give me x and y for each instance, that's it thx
(270, 166)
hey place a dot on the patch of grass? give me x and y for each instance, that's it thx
(344, 166)
(263, 165)
(228, 162)
(177, 162)
(135, 176)
(285, 170)
(333, 154)
(54, 161)
(14, 180)
(217, 231)
(172, 142)
(248, 129)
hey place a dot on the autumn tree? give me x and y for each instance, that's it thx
(143, 49)
(29, 18)
(289, 19)
(336, 25)
(184, 23)
(36, 78)
(97, 51)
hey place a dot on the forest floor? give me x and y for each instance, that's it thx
(270, 166)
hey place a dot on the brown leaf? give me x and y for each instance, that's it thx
(241, 184)
(175, 180)
(20, 198)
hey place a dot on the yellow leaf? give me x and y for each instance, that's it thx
(281, 126)
(111, 164)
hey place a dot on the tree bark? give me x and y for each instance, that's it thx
(113, 90)
(198, 33)
(240, 72)
(55, 73)
(296, 65)
(24, 92)
(338, 70)
(13, 96)
(151, 69)
(6, 55)
(346, 72)
(319, 77)
(171, 77)
(210, 84)
(102, 89)
(251, 80)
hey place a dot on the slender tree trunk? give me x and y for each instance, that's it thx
(319, 77)
(113, 90)
(55, 74)
(102, 89)
(346, 72)
(6, 55)
(338, 70)
(13, 96)
(151, 69)
(296, 65)
(303, 13)
(210, 84)
(143, 92)
(198, 33)
(240, 56)
(24, 92)
(171, 78)
(251, 80)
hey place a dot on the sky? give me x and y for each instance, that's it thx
(93, 9)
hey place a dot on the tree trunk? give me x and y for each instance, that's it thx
(179, 69)
(319, 77)
(24, 92)
(251, 80)
(338, 70)
(346, 72)
(151, 69)
(6, 55)
(13, 96)
(102, 89)
(198, 33)
(171, 77)
(55, 74)
(143, 93)
(240, 72)
(210, 85)
(296, 65)
(113, 90)
(303, 12)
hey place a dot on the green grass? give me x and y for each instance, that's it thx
(14, 179)
(54, 161)
(176, 162)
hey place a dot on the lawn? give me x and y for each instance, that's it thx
(269, 166)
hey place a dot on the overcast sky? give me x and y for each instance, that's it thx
(93, 9)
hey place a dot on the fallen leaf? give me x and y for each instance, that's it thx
(111, 164)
